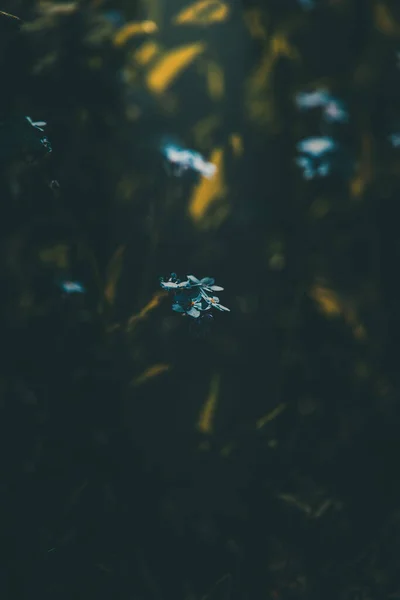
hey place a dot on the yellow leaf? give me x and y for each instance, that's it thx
(281, 47)
(146, 52)
(150, 373)
(384, 20)
(206, 418)
(327, 300)
(113, 274)
(215, 80)
(271, 415)
(203, 12)
(253, 19)
(6, 14)
(365, 170)
(320, 208)
(170, 66)
(331, 305)
(259, 97)
(132, 29)
(357, 186)
(154, 302)
(236, 141)
(208, 191)
(58, 255)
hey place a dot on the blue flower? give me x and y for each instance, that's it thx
(394, 138)
(190, 303)
(316, 147)
(316, 155)
(333, 110)
(72, 287)
(315, 99)
(182, 160)
(191, 297)
(173, 283)
(207, 283)
(213, 302)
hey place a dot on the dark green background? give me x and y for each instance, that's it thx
(107, 487)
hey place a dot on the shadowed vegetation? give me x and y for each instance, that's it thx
(140, 461)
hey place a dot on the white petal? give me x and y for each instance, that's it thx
(168, 285)
(204, 295)
(223, 308)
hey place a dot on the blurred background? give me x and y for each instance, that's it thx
(258, 460)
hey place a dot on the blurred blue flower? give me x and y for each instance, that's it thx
(72, 287)
(181, 160)
(316, 147)
(394, 139)
(333, 110)
(315, 99)
(307, 4)
(315, 156)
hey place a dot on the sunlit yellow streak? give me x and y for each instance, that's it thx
(146, 52)
(236, 141)
(58, 255)
(150, 373)
(365, 170)
(259, 91)
(215, 81)
(327, 300)
(171, 65)
(132, 29)
(6, 14)
(271, 415)
(384, 20)
(253, 20)
(154, 302)
(205, 423)
(208, 191)
(113, 274)
(203, 12)
(332, 306)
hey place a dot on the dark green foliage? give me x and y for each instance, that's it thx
(139, 461)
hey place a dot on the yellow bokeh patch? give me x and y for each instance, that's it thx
(204, 12)
(207, 191)
(170, 65)
(133, 29)
(150, 373)
(113, 274)
(205, 423)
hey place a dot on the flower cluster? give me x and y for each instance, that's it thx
(193, 297)
(321, 155)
